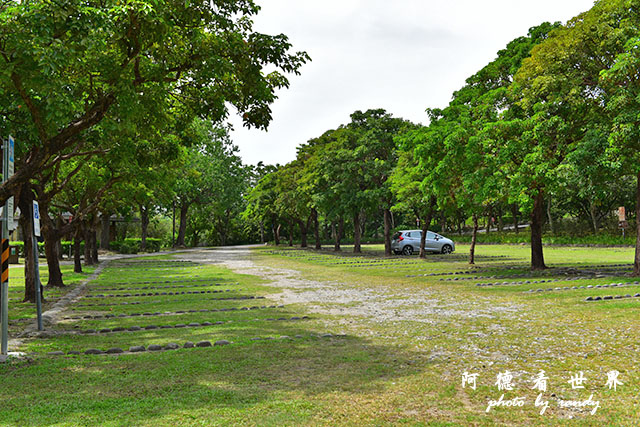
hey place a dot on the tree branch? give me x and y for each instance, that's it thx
(35, 112)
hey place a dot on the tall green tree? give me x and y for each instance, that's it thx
(376, 156)
(623, 85)
(66, 65)
(561, 100)
(209, 160)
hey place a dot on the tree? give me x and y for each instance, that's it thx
(255, 212)
(208, 160)
(562, 102)
(318, 180)
(413, 178)
(261, 203)
(376, 157)
(292, 202)
(623, 85)
(456, 136)
(65, 66)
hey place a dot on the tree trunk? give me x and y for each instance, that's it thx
(594, 216)
(94, 245)
(549, 217)
(636, 261)
(303, 233)
(88, 253)
(182, 230)
(51, 247)
(144, 224)
(356, 233)
(58, 224)
(500, 221)
(25, 202)
(514, 212)
(474, 237)
(104, 232)
(261, 224)
(29, 264)
(334, 235)
(53, 262)
(224, 228)
(77, 239)
(537, 219)
(290, 230)
(338, 231)
(387, 232)
(277, 233)
(316, 228)
(489, 222)
(426, 223)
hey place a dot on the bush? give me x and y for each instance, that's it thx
(67, 247)
(20, 245)
(524, 236)
(132, 246)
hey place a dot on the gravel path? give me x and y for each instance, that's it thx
(373, 303)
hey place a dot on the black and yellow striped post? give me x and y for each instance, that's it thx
(5, 260)
(4, 296)
(4, 284)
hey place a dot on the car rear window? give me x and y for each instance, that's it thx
(396, 235)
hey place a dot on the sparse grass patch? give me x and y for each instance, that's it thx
(398, 348)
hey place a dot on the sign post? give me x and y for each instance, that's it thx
(36, 233)
(7, 171)
(622, 220)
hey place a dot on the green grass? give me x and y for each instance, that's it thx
(407, 341)
(19, 311)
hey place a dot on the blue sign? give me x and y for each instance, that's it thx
(11, 156)
(36, 219)
(11, 145)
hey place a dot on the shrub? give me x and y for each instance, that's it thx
(524, 236)
(20, 245)
(132, 245)
(67, 247)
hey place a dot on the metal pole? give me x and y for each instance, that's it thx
(5, 237)
(36, 264)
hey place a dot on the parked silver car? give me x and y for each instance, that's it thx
(407, 242)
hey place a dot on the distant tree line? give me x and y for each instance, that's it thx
(550, 125)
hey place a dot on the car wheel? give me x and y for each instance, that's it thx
(447, 249)
(407, 250)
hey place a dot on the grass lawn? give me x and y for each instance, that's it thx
(402, 333)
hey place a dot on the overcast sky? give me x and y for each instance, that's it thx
(403, 56)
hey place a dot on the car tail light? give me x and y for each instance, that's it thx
(400, 239)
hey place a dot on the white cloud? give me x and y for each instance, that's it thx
(403, 56)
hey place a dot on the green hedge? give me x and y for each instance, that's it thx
(66, 246)
(550, 239)
(127, 246)
(132, 246)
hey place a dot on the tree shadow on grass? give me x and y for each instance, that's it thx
(195, 385)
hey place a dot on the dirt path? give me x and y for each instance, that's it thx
(372, 303)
